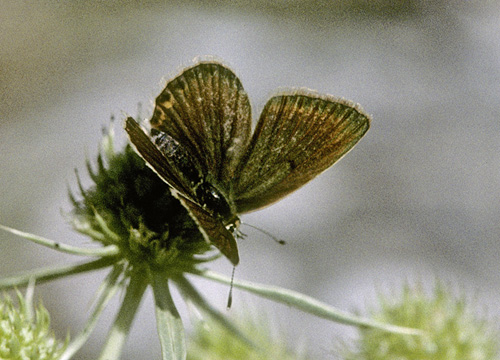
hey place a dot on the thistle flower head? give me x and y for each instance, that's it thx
(23, 336)
(131, 207)
(151, 241)
(451, 330)
(214, 342)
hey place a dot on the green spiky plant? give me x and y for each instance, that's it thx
(25, 332)
(147, 239)
(451, 330)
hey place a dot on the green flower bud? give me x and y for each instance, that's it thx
(211, 341)
(23, 336)
(451, 330)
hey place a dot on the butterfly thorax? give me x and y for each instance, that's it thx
(205, 193)
(213, 200)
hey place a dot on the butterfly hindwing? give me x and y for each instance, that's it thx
(298, 136)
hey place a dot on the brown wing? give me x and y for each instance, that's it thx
(167, 167)
(173, 169)
(213, 230)
(206, 109)
(298, 136)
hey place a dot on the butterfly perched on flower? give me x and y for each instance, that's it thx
(201, 144)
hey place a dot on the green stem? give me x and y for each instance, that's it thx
(118, 334)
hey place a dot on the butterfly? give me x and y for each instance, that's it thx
(201, 144)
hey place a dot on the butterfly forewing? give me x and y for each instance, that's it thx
(206, 109)
(163, 164)
(177, 169)
(297, 137)
(213, 230)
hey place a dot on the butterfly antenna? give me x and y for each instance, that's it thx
(230, 296)
(139, 110)
(279, 241)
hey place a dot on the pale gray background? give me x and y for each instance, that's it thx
(417, 199)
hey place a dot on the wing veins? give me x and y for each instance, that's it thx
(155, 159)
(326, 130)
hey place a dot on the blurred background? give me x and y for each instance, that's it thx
(418, 199)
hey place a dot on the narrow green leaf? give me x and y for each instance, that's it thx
(105, 228)
(168, 320)
(107, 290)
(54, 272)
(118, 334)
(192, 294)
(307, 304)
(68, 249)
